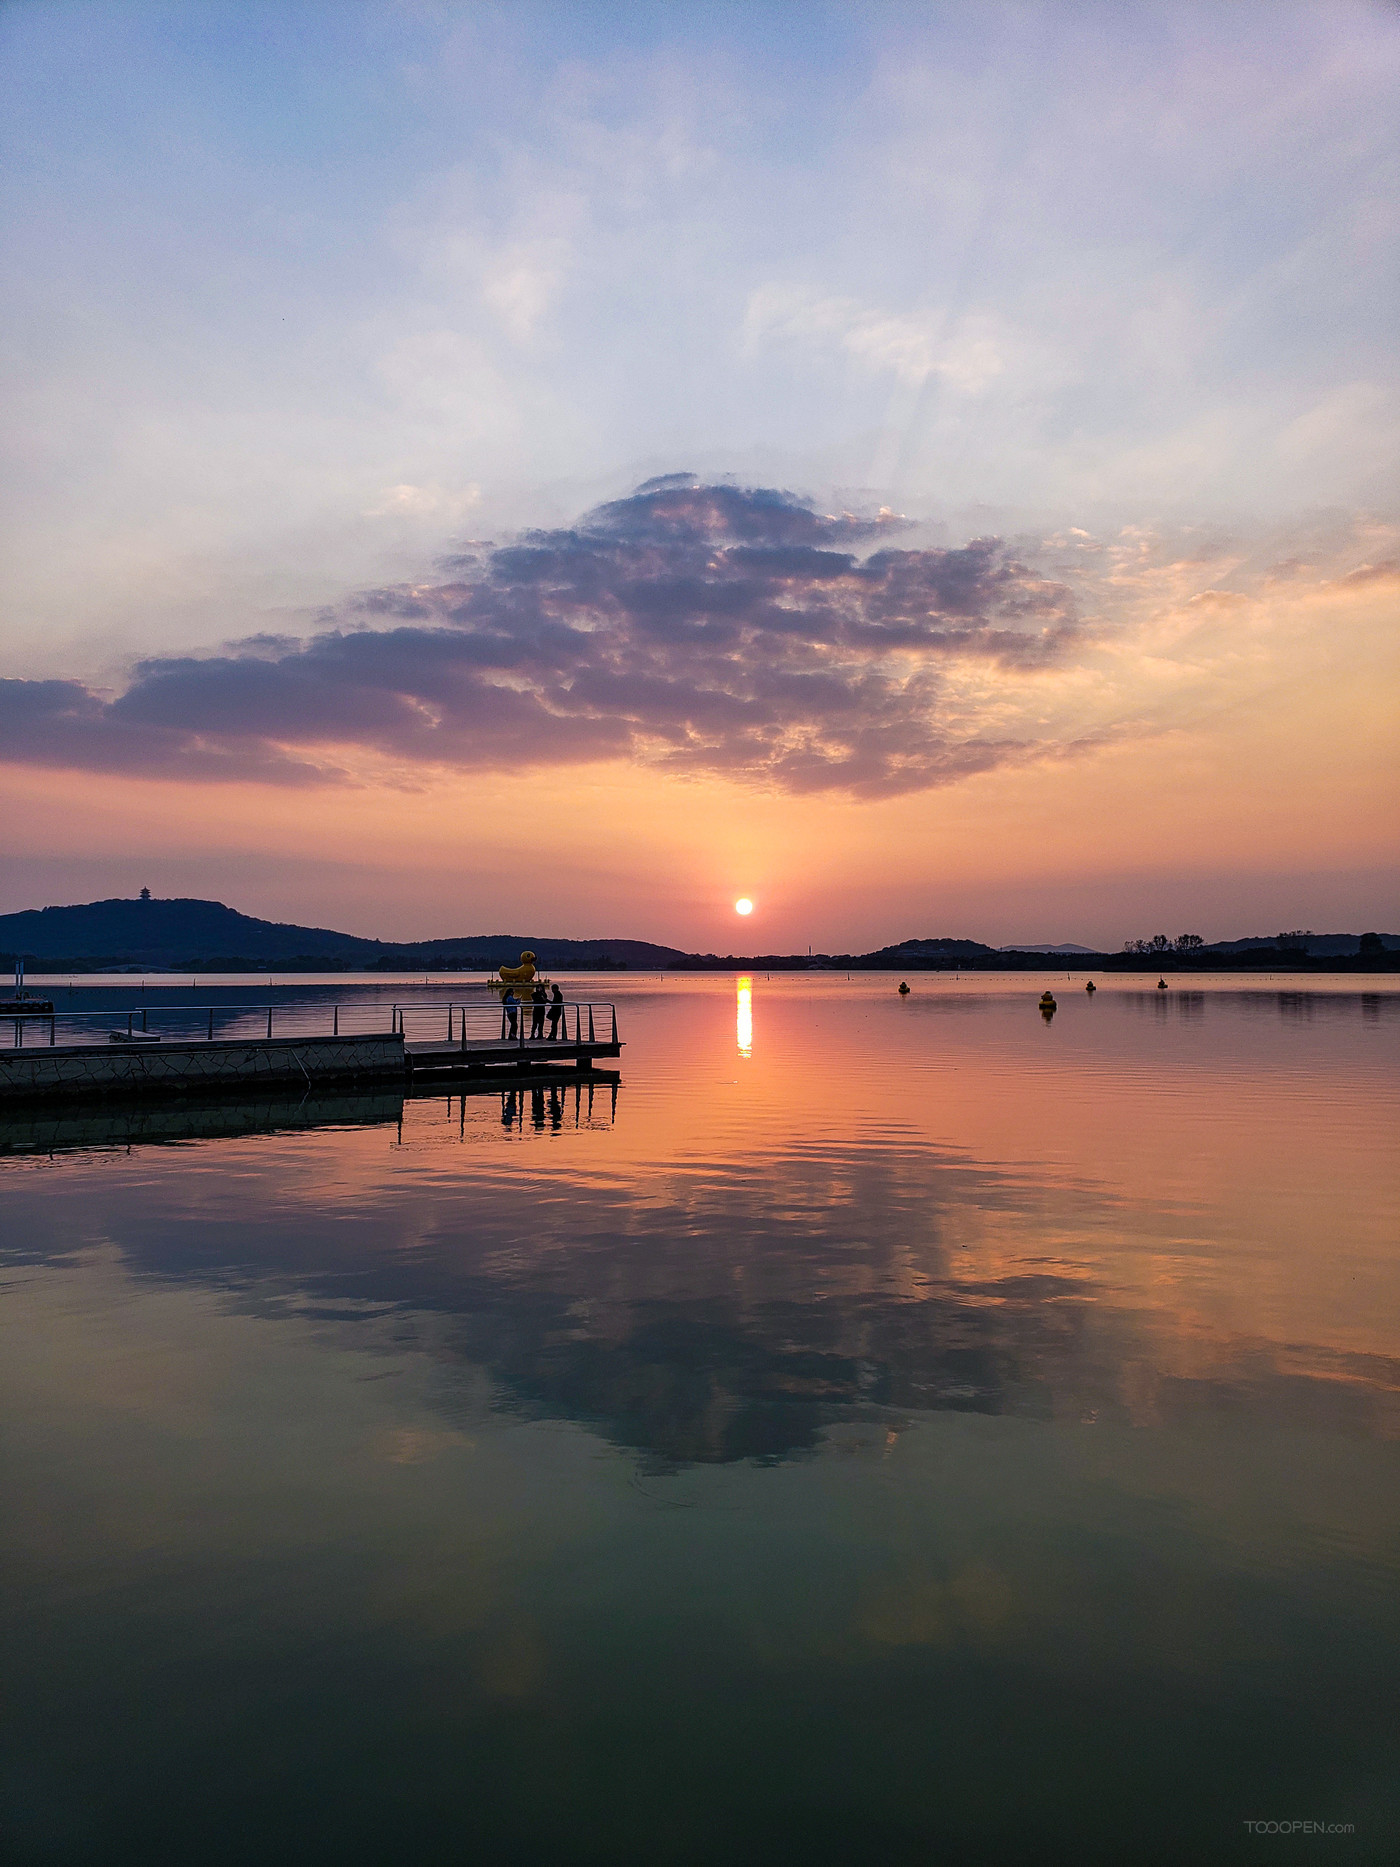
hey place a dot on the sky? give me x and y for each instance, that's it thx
(559, 468)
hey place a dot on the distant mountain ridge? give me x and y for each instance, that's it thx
(187, 934)
(934, 949)
(1047, 946)
(195, 935)
(1320, 946)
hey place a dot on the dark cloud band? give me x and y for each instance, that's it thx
(706, 628)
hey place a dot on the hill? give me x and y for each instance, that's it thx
(1047, 946)
(163, 933)
(1318, 946)
(188, 935)
(931, 949)
(206, 936)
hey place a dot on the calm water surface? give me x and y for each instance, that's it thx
(879, 1430)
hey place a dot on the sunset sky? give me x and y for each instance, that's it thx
(931, 469)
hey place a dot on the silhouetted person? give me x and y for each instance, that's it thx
(556, 1012)
(512, 1015)
(538, 999)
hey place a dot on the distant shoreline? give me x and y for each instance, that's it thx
(1255, 960)
(1258, 959)
(468, 978)
(185, 936)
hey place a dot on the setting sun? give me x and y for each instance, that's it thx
(743, 905)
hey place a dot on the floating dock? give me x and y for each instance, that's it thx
(137, 1061)
(528, 1053)
(95, 1070)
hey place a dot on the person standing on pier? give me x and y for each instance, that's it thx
(512, 1016)
(556, 1012)
(538, 1000)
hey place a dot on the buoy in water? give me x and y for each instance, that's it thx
(904, 988)
(1047, 1001)
(1091, 987)
(1161, 985)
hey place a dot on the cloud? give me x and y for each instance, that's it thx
(63, 724)
(967, 355)
(702, 628)
(521, 285)
(424, 502)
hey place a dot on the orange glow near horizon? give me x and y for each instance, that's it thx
(1256, 790)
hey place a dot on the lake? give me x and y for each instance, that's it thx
(885, 1429)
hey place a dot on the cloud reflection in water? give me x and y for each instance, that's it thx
(950, 1216)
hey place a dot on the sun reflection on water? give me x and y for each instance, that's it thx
(745, 1016)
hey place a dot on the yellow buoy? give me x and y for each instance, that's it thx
(904, 988)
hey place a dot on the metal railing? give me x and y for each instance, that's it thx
(189, 1023)
(526, 1021)
(457, 1021)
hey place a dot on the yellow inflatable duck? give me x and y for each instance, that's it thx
(523, 974)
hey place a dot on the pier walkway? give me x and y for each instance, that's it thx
(230, 1047)
(479, 1045)
(507, 1052)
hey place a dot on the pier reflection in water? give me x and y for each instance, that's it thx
(553, 1099)
(944, 1428)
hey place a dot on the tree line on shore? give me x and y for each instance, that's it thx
(193, 936)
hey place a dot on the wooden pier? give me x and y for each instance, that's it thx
(127, 1057)
(93, 1070)
(504, 1054)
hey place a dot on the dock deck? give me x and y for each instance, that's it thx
(525, 1053)
(242, 1045)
